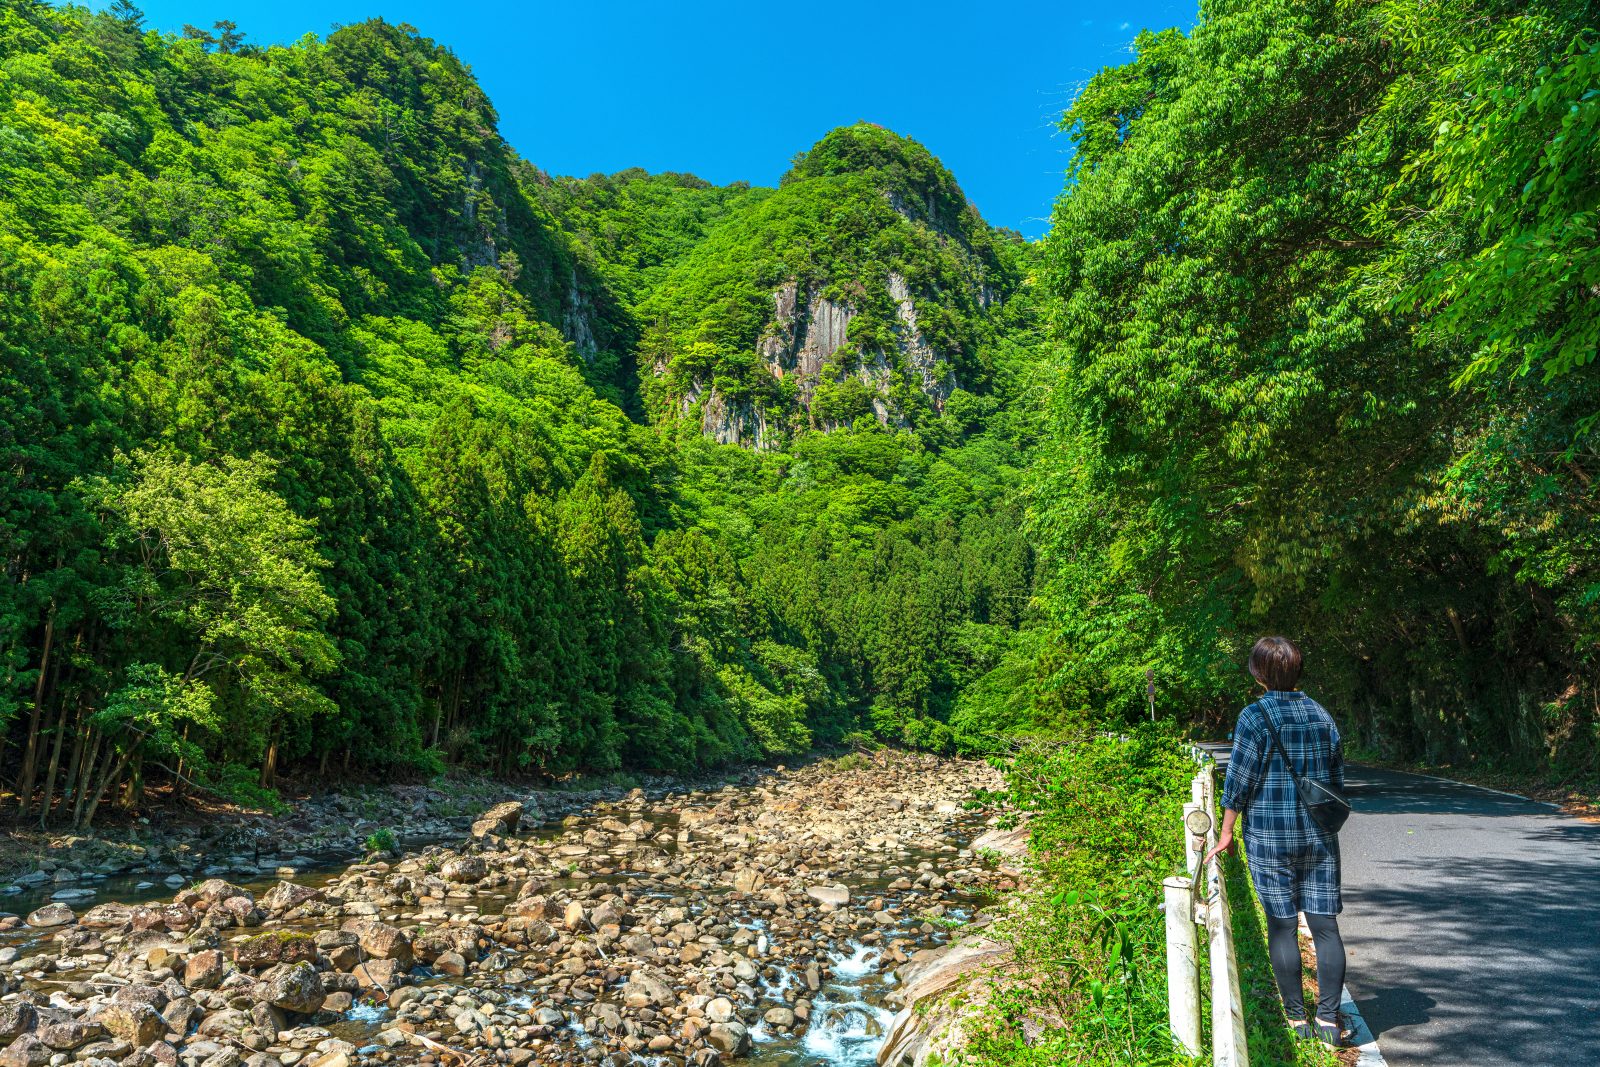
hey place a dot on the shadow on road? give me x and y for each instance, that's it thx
(1472, 926)
(1387, 793)
(1396, 1006)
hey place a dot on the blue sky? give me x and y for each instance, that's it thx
(732, 90)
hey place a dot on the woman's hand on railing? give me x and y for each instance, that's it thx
(1224, 836)
(1224, 844)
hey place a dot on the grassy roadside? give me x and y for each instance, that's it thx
(1087, 984)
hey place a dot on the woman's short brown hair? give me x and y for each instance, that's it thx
(1275, 663)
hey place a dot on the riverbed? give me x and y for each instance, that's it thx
(760, 923)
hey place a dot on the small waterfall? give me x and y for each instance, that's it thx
(582, 1038)
(856, 965)
(846, 1034)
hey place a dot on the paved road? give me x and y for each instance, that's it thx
(1472, 923)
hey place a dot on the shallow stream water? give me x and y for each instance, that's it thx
(848, 1020)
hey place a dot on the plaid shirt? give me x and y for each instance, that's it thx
(1261, 788)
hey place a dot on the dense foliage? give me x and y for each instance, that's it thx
(1088, 933)
(334, 432)
(321, 446)
(1324, 283)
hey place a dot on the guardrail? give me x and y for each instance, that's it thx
(1200, 901)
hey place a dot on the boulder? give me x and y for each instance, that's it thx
(461, 940)
(929, 1025)
(278, 946)
(137, 1024)
(203, 970)
(69, 1034)
(107, 916)
(182, 1013)
(730, 1039)
(836, 896)
(213, 891)
(286, 896)
(610, 912)
(26, 1051)
(531, 906)
(501, 819)
(298, 989)
(640, 944)
(647, 988)
(52, 915)
(382, 941)
(153, 996)
(16, 1018)
(748, 880)
(379, 974)
(464, 870)
(403, 996)
(229, 1022)
(235, 911)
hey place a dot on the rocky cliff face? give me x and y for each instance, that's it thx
(808, 342)
(577, 319)
(864, 286)
(729, 422)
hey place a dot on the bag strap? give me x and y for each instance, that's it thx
(1278, 744)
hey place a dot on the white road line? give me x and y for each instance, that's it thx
(1360, 1034)
(1479, 788)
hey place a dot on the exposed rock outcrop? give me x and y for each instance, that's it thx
(936, 379)
(577, 316)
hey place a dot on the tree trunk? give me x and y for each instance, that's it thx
(69, 786)
(55, 765)
(180, 776)
(133, 791)
(100, 789)
(30, 754)
(269, 765)
(86, 776)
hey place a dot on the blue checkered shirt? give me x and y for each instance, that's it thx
(1261, 788)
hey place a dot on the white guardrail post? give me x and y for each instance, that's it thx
(1184, 913)
(1183, 966)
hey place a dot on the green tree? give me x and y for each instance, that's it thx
(219, 562)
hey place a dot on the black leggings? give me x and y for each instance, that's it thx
(1283, 944)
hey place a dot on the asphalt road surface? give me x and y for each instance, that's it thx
(1472, 924)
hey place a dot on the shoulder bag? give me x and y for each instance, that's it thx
(1326, 805)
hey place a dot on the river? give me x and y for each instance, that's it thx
(760, 924)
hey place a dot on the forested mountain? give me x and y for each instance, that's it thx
(336, 434)
(318, 447)
(864, 286)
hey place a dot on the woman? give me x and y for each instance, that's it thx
(1294, 862)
